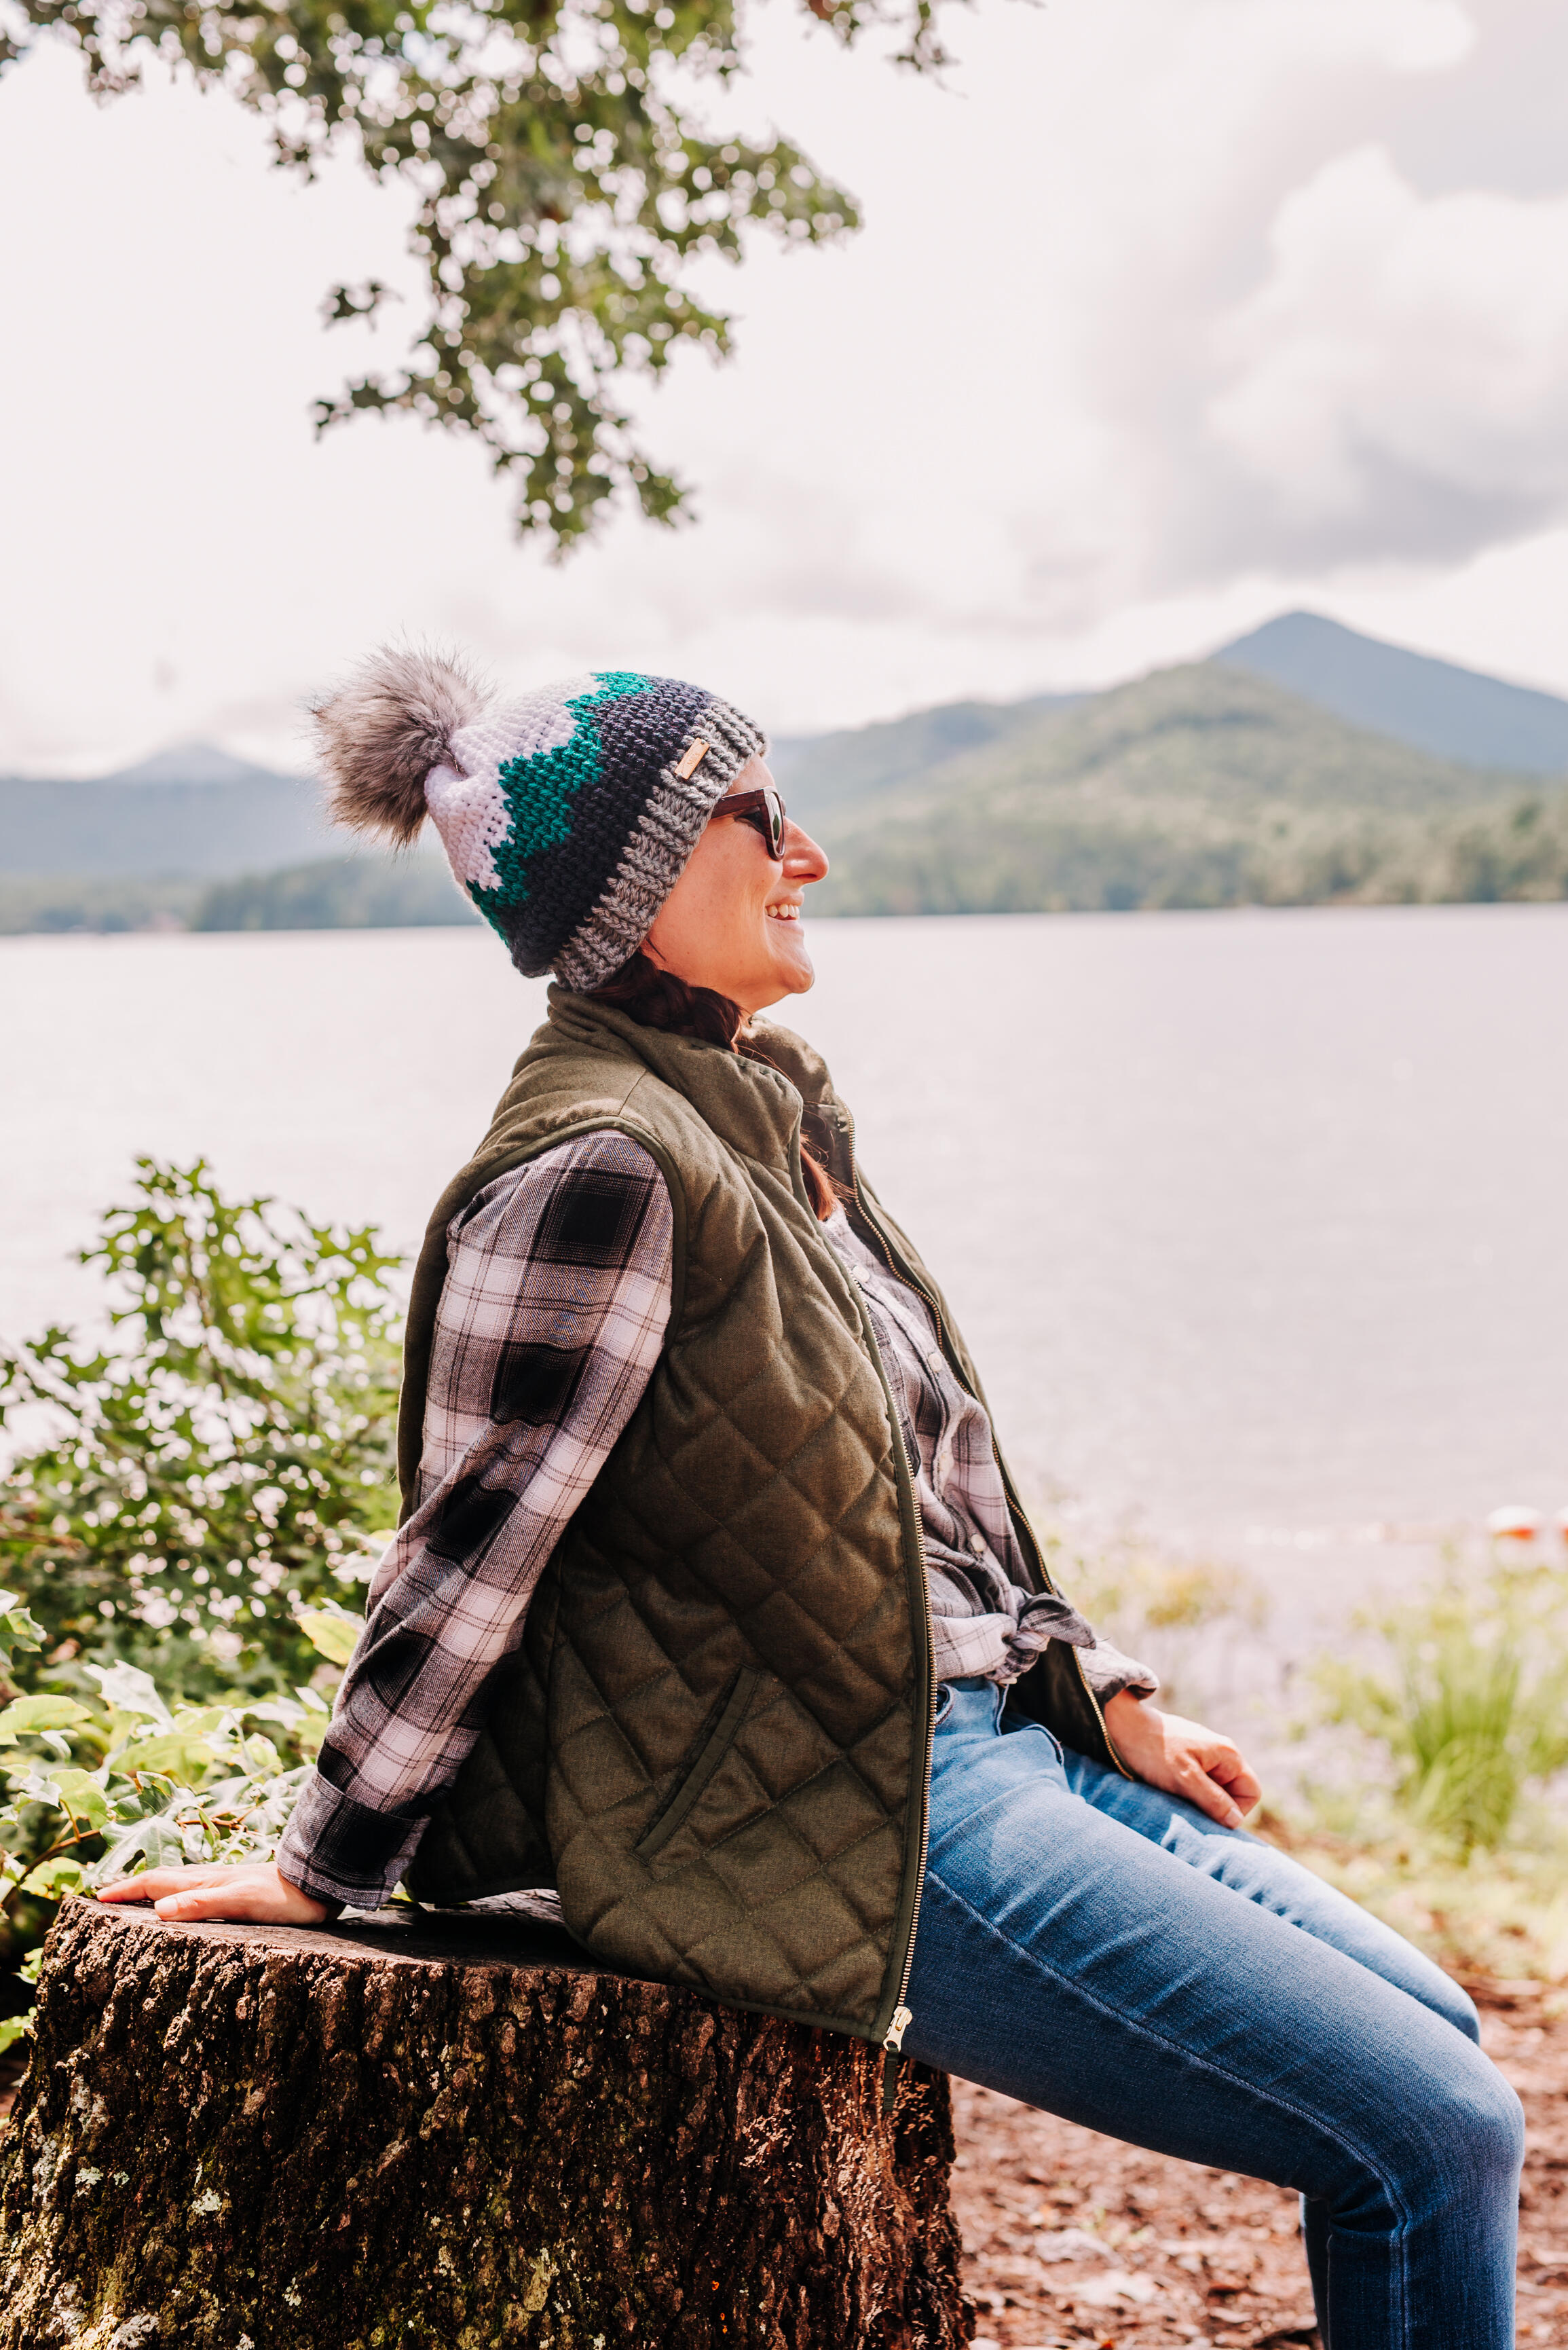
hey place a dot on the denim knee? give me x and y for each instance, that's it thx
(1506, 2128)
(1456, 2144)
(1456, 2007)
(1473, 2126)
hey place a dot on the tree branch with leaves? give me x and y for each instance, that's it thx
(567, 186)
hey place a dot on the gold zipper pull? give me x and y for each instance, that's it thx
(902, 2019)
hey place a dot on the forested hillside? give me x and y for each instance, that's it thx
(340, 893)
(1195, 786)
(1210, 784)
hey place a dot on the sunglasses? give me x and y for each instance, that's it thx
(763, 810)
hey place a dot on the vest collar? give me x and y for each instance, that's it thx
(752, 1107)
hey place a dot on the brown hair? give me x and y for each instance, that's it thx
(657, 999)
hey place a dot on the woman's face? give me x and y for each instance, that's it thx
(732, 920)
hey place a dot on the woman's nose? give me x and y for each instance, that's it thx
(802, 860)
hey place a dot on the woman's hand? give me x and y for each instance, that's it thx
(250, 1890)
(1183, 1759)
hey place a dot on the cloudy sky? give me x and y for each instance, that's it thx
(1168, 315)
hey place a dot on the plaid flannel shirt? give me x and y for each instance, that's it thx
(985, 1622)
(552, 1317)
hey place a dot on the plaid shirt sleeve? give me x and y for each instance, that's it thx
(551, 1319)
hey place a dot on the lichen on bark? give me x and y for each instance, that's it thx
(451, 2134)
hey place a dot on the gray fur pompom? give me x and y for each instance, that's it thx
(380, 734)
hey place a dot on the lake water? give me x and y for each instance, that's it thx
(1255, 1221)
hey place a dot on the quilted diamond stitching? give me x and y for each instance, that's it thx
(791, 1556)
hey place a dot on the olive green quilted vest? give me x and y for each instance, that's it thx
(715, 1740)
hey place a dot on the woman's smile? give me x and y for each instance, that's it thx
(707, 928)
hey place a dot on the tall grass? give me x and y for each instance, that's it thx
(1469, 1702)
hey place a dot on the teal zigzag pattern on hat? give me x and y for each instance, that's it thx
(540, 792)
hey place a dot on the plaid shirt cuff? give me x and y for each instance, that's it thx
(343, 1853)
(1108, 1672)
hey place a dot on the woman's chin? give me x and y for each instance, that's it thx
(791, 962)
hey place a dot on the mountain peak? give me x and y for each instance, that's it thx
(1435, 705)
(192, 763)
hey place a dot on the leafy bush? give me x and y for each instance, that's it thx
(221, 1471)
(97, 1790)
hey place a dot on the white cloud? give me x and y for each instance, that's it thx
(1399, 384)
(1164, 317)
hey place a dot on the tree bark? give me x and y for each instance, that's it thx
(451, 2135)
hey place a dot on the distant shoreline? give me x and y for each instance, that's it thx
(167, 926)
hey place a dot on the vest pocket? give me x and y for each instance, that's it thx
(710, 1754)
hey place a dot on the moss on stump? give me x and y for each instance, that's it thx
(399, 2131)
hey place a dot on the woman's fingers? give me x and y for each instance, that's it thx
(1218, 1780)
(1184, 1759)
(252, 1904)
(251, 1893)
(153, 1883)
(1208, 1769)
(1206, 1792)
(1235, 1775)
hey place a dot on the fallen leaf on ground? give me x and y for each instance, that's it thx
(1112, 2292)
(1072, 2244)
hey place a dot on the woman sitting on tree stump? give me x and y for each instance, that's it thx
(714, 1618)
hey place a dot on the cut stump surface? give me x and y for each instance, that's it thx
(398, 2132)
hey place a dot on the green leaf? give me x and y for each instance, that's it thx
(219, 1466)
(331, 1630)
(18, 1630)
(200, 1721)
(130, 1691)
(51, 1879)
(15, 2028)
(156, 1841)
(34, 1785)
(570, 194)
(172, 1754)
(82, 1796)
(27, 1716)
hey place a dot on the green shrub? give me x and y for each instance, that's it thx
(219, 1469)
(129, 1782)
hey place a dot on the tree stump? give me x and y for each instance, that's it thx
(452, 2132)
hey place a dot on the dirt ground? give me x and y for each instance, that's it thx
(1070, 2238)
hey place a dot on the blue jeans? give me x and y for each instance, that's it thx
(1110, 1954)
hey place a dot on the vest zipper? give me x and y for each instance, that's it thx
(893, 2040)
(901, 2018)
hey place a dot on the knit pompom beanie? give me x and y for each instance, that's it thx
(567, 815)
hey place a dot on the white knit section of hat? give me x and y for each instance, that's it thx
(466, 802)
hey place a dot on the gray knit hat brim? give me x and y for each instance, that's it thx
(660, 848)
